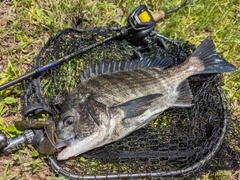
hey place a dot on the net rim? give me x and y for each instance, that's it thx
(59, 170)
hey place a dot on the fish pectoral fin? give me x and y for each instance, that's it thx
(185, 95)
(138, 106)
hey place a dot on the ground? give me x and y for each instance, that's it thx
(26, 25)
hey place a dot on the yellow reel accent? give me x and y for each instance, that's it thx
(144, 16)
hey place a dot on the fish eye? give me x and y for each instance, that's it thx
(68, 121)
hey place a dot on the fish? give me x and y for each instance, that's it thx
(117, 98)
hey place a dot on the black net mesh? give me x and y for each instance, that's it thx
(181, 142)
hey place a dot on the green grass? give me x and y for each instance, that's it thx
(25, 26)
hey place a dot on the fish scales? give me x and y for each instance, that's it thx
(120, 87)
(115, 99)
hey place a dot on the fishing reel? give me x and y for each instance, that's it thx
(141, 25)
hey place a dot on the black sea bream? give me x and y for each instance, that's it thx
(114, 99)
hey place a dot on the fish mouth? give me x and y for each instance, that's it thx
(64, 146)
(62, 143)
(66, 153)
(73, 148)
(78, 145)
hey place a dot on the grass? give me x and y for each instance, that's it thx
(26, 25)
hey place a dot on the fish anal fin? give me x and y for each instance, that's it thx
(185, 95)
(138, 106)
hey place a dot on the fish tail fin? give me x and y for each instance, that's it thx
(207, 61)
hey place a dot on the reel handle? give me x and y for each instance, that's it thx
(161, 14)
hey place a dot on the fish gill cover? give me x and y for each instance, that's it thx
(181, 142)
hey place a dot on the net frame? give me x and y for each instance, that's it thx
(37, 99)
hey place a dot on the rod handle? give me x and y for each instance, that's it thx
(158, 16)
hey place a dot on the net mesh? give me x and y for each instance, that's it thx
(181, 142)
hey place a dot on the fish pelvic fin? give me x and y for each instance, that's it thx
(185, 95)
(206, 60)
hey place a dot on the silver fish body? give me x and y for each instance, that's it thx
(115, 99)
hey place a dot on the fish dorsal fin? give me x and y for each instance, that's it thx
(185, 95)
(116, 66)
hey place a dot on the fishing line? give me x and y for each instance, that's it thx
(177, 7)
(50, 140)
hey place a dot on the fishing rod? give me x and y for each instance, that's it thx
(140, 24)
